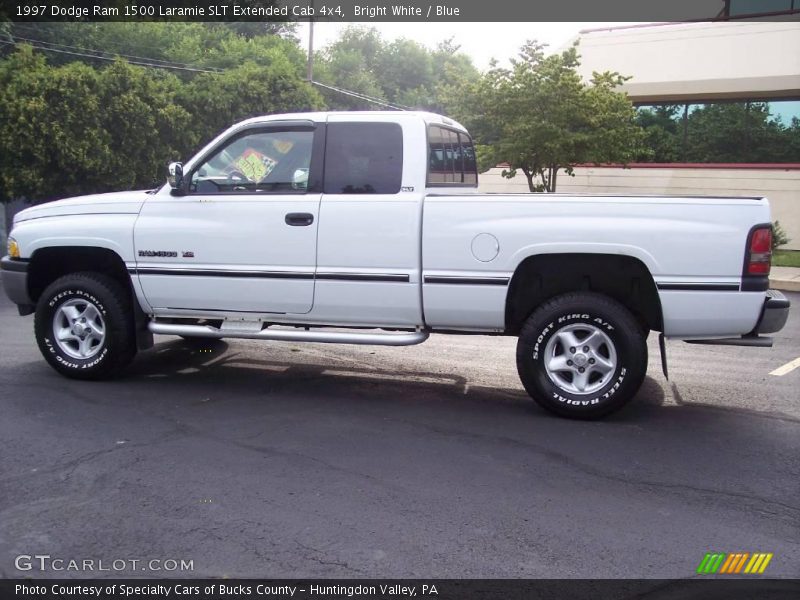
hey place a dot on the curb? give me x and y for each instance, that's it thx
(785, 285)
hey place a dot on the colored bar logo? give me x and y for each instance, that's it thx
(734, 563)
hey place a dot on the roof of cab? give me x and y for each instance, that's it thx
(322, 117)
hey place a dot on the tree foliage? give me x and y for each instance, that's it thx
(199, 45)
(401, 72)
(71, 127)
(217, 100)
(539, 117)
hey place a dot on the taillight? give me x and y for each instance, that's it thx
(759, 251)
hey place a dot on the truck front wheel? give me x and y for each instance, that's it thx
(582, 355)
(84, 326)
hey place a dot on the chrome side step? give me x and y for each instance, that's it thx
(288, 335)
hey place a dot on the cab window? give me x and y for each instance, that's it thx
(257, 162)
(451, 158)
(363, 158)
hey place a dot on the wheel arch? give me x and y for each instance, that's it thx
(622, 277)
(49, 263)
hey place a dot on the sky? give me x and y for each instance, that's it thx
(481, 41)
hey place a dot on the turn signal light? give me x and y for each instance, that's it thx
(13, 248)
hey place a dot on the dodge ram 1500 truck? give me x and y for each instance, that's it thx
(309, 226)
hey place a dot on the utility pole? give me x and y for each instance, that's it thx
(311, 48)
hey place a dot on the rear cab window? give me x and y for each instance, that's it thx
(451, 158)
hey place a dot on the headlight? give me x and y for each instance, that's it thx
(13, 248)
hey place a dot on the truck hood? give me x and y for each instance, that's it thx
(112, 203)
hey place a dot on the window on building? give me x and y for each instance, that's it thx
(739, 8)
(741, 131)
(451, 158)
(363, 158)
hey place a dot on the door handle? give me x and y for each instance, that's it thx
(299, 219)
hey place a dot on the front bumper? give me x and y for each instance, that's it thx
(15, 280)
(774, 313)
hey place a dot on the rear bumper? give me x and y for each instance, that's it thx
(773, 317)
(774, 314)
(15, 280)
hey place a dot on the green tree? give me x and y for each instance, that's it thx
(453, 72)
(539, 117)
(401, 72)
(216, 100)
(404, 65)
(351, 63)
(72, 125)
(73, 129)
(199, 45)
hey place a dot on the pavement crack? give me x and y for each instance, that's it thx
(314, 558)
(272, 451)
(72, 465)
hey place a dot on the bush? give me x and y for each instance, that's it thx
(779, 237)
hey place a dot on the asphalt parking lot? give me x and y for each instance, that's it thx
(289, 460)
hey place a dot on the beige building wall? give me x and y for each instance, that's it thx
(707, 60)
(781, 186)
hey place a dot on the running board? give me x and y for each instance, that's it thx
(758, 341)
(288, 335)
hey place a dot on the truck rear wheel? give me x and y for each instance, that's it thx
(84, 326)
(582, 355)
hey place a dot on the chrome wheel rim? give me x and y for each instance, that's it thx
(580, 359)
(79, 329)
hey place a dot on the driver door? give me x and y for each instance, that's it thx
(243, 238)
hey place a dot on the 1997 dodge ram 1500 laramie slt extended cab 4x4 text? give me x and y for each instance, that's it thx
(287, 227)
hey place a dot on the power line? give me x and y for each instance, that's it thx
(103, 52)
(361, 96)
(112, 59)
(126, 46)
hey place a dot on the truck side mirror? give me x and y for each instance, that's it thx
(175, 176)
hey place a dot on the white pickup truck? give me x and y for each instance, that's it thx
(367, 228)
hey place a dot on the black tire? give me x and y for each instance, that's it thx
(113, 304)
(623, 365)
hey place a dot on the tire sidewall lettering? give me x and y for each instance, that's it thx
(67, 294)
(538, 345)
(597, 399)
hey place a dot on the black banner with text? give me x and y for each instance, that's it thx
(371, 589)
(375, 10)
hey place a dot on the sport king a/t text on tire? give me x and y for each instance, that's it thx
(84, 326)
(582, 355)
